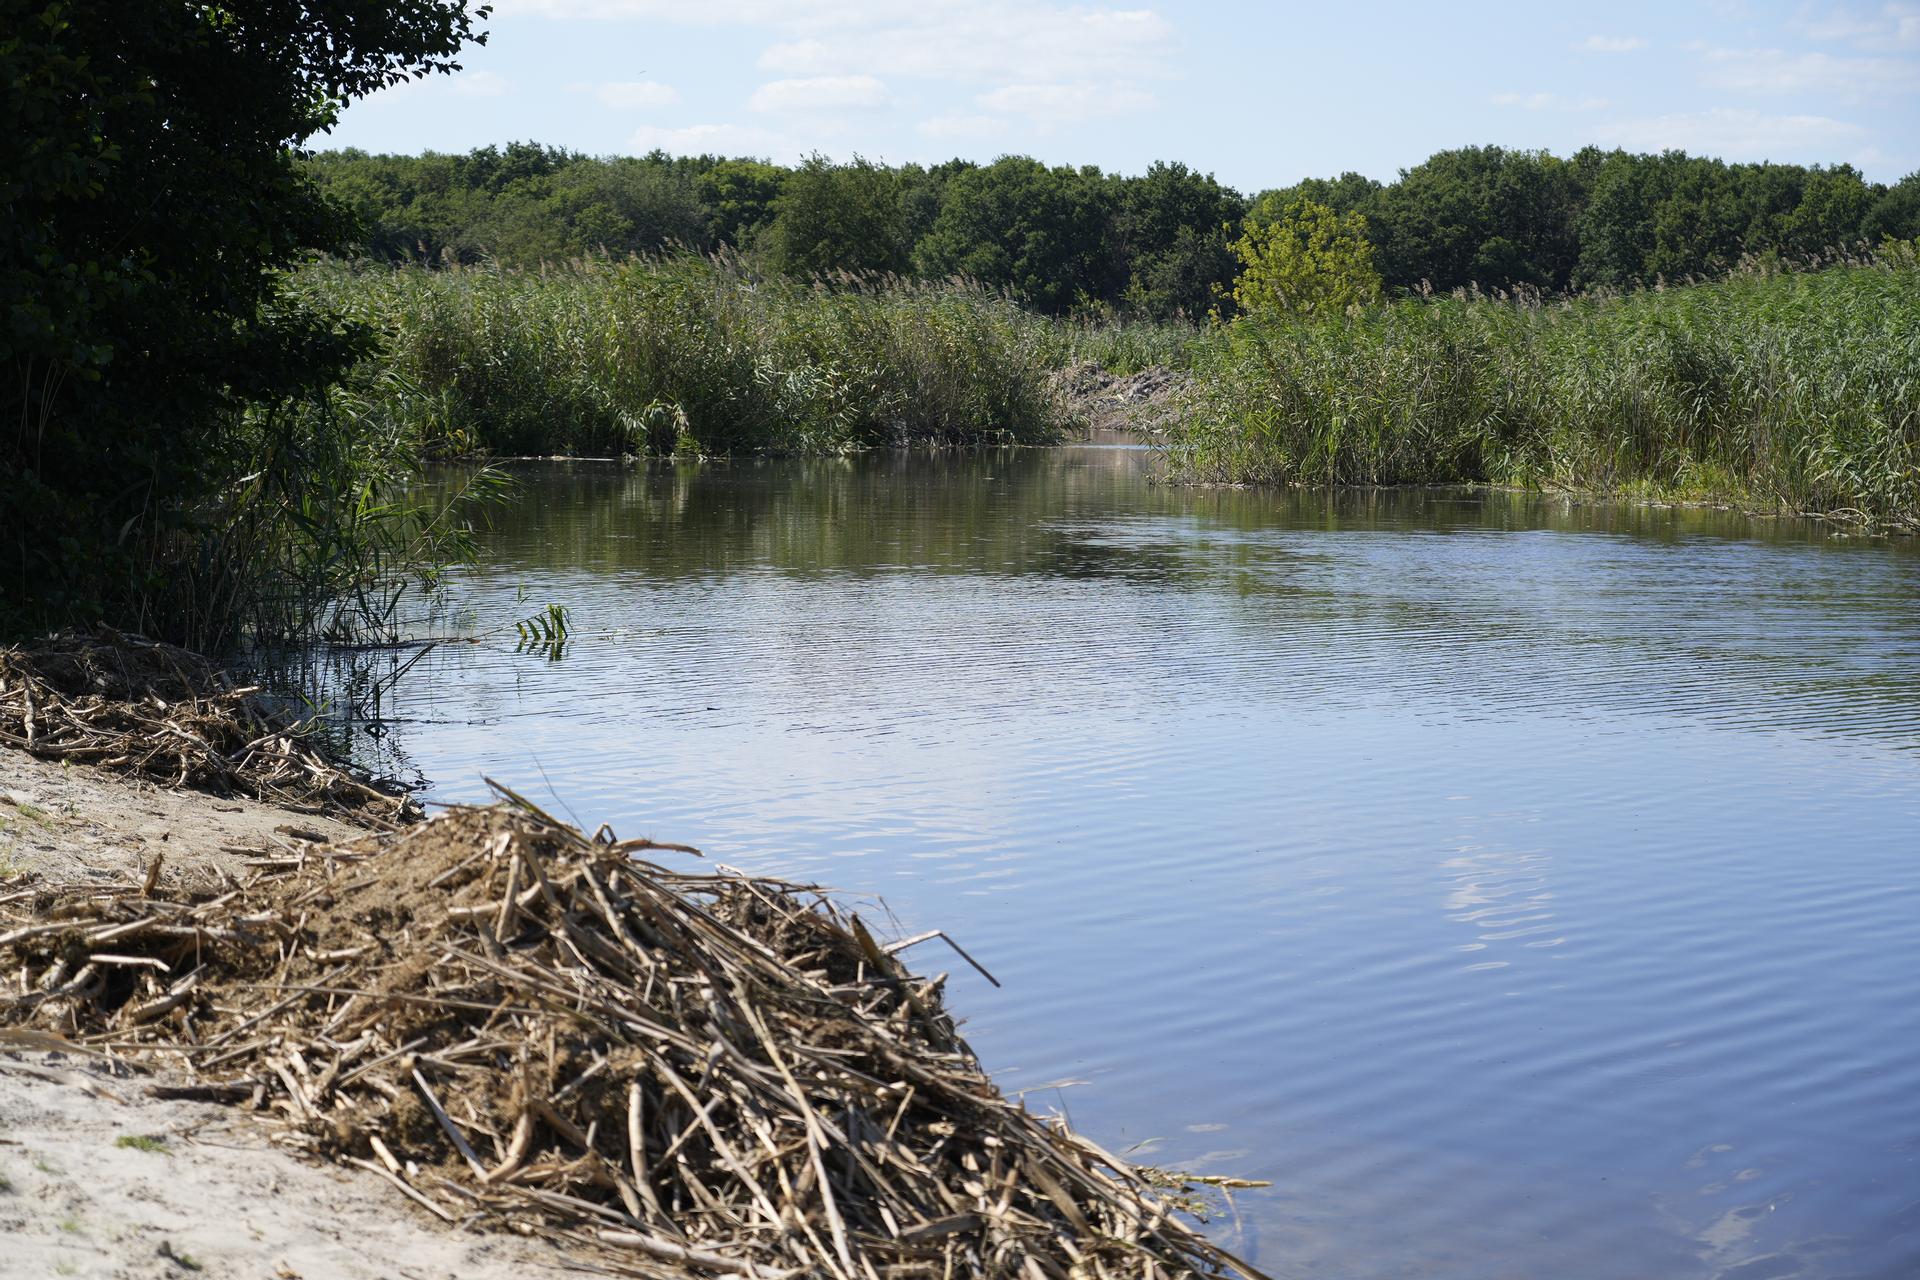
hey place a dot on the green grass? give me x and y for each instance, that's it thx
(1797, 392)
(1793, 392)
(150, 1143)
(692, 355)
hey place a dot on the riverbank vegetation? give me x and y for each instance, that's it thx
(1155, 245)
(177, 456)
(1796, 391)
(207, 446)
(683, 354)
(1773, 389)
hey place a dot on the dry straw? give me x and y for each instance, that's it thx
(168, 715)
(519, 1025)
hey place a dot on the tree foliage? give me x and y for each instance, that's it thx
(148, 171)
(831, 218)
(1304, 259)
(1041, 232)
(1156, 244)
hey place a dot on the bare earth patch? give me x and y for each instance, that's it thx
(137, 1188)
(78, 824)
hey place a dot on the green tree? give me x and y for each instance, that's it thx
(1043, 233)
(838, 217)
(1895, 214)
(1171, 228)
(149, 173)
(1305, 260)
(739, 196)
(1479, 214)
(626, 205)
(1832, 212)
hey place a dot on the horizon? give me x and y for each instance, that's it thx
(1196, 84)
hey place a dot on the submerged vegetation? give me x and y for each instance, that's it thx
(1795, 391)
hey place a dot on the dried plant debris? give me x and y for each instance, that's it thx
(519, 1025)
(166, 714)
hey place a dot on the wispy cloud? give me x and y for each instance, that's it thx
(627, 95)
(962, 125)
(971, 41)
(995, 40)
(465, 84)
(1777, 71)
(821, 93)
(1548, 102)
(1613, 44)
(480, 84)
(1887, 26)
(716, 139)
(1737, 134)
(1050, 104)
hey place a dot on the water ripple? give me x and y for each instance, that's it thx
(1526, 888)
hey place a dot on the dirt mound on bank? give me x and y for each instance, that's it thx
(137, 706)
(523, 1026)
(1104, 401)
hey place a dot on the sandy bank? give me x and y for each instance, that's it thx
(82, 1190)
(650, 1062)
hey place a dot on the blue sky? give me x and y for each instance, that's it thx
(1259, 94)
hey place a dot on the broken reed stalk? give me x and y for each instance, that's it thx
(163, 713)
(520, 1025)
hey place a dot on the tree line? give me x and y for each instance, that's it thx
(1158, 244)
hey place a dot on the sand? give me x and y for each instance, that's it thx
(211, 1195)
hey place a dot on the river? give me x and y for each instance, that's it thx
(1526, 888)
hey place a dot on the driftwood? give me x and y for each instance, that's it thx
(163, 713)
(673, 1070)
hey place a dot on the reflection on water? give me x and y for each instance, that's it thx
(1525, 888)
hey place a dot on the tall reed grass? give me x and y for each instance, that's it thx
(1798, 391)
(691, 354)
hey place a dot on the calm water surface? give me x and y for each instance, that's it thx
(1527, 890)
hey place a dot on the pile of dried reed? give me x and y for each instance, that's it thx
(138, 706)
(520, 1025)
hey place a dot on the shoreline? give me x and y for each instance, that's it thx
(163, 944)
(99, 1177)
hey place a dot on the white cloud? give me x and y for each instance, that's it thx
(625, 95)
(961, 125)
(1048, 104)
(1037, 63)
(1736, 134)
(462, 84)
(1777, 71)
(717, 139)
(821, 93)
(1613, 44)
(480, 84)
(980, 41)
(709, 13)
(988, 41)
(1548, 102)
(1890, 26)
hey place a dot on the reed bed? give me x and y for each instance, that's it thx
(522, 1026)
(162, 713)
(692, 355)
(1798, 392)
